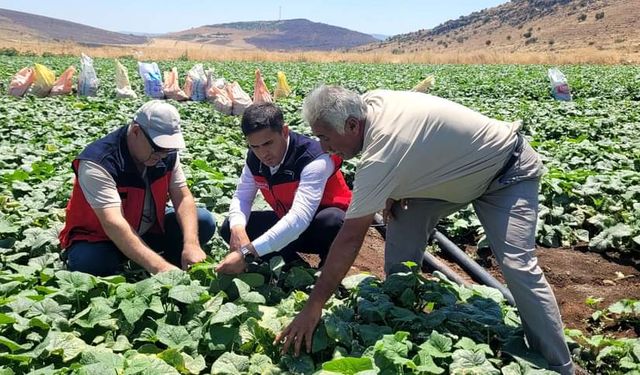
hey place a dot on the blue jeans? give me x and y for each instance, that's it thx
(105, 259)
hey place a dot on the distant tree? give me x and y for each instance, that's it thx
(4, 51)
(599, 16)
(488, 43)
(530, 41)
(582, 17)
(508, 37)
(527, 34)
(551, 42)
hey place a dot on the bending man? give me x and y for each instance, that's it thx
(436, 157)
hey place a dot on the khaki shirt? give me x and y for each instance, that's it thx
(422, 146)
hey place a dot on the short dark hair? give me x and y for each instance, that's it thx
(261, 116)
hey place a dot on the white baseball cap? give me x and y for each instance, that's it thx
(161, 121)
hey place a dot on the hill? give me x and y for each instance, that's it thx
(285, 35)
(19, 26)
(530, 26)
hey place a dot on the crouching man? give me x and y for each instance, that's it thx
(117, 210)
(303, 185)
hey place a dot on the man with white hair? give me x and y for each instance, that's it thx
(117, 207)
(423, 158)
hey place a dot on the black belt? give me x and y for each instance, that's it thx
(517, 151)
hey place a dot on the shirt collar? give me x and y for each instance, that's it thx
(275, 169)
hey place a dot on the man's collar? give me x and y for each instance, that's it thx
(275, 169)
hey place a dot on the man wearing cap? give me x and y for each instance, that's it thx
(117, 207)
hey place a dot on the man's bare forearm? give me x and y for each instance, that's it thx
(187, 217)
(343, 253)
(132, 246)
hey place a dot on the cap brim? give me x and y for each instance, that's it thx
(173, 141)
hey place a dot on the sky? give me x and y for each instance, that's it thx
(388, 17)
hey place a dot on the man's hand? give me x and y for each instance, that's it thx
(387, 213)
(238, 238)
(300, 330)
(163, 267)
(232, 264)
(192, 254)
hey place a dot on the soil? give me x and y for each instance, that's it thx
(574, 275)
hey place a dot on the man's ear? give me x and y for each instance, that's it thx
(351, 125)
(285, 130)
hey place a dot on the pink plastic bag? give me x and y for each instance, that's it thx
(240, 99)
(171, 88)
(21, 81)
(220, 99)
(64, 84)
(260, 91)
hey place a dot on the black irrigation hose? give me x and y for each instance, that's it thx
(476, 271)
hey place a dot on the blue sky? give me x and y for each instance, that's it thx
(369, 16)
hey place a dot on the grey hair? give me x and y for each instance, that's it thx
(333, 105)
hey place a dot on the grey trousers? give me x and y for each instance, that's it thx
(508, 213)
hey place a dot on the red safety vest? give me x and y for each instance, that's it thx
(112, 153)
(280, 188)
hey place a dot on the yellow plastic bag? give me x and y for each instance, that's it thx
(426, 85)
(43, 81)
(21, 82)
(260, 91)
(64, 84)
(282, 88)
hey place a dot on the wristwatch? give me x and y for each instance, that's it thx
(246, 253)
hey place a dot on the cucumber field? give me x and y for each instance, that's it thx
(53, 321)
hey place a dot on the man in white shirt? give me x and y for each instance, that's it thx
(302, 184)
(117, 207)
(423, 158)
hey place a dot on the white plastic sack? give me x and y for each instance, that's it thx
(123, 87)
(559, 85)
(195, 85)
(152, 78)
(87, 80)
(425, 85)
(240, 99)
